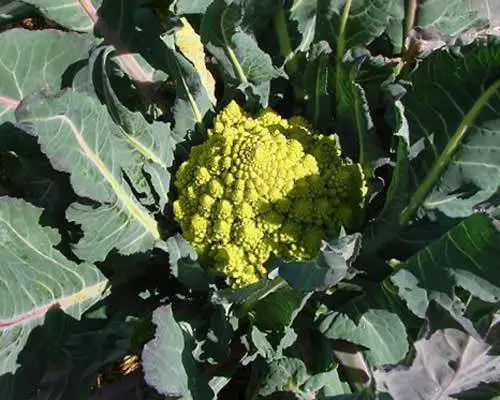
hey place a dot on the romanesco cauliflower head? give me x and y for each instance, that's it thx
(262, 185)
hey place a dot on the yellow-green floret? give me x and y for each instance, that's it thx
(262, 185)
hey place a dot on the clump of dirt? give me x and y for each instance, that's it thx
(34, 23)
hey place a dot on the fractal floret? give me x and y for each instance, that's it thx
(262, 185)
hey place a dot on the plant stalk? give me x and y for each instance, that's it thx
(230, 53)
(341, 43)
(410, 17)
(290, 63)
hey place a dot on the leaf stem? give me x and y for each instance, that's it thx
(285, 45)
(192, 101)
(442, 161)
(230, 53)
(135, 210)
(341, 43)
(411, 13)
(239, 71)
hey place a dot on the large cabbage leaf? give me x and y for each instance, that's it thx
(78, 136)
(112, 20)
(168, 364)
(35, 277)
(465, 258)
(446, 365)
(454, 127)
(30, 61)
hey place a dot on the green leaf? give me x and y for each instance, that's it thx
(439, 19)
(244, 294)
(250, 294)
(115, 21)
(42, 356)
(346, 24)
(328, 382)
(218, 382)
(244, 65)
(318, 76)
(420, 234)
(28, 174)
(168, 364)
(331, 266)
(324, 363)
(31, 60)
(216, 347)
(90, 347)
(269, 346)
(260, 345)
(454, 127)
(189, 44)
(385, 227)
(76, 15)
(303, 13)
(258, 12)
(35, 277)
(121, 24)
(153, 141)
(181, 7)
(192, 100)
(184, 265)
(343, 23)
(489, 9)
(290, 375)
(381, 331)
(353, 120)
(358, 396)
(272, 317)
(450, 18)
(14, 11)
(448, 364)
(327, 75)
(465, 257)
(76, 134)
(278, 309)
(258, 15)
(285, 374)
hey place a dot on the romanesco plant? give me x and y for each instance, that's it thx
(262, 185)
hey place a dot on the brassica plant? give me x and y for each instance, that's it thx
(294, 199)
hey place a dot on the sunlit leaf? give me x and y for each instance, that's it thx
(75, 132)
(447, 364)
(35, 277)
(30, 61)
